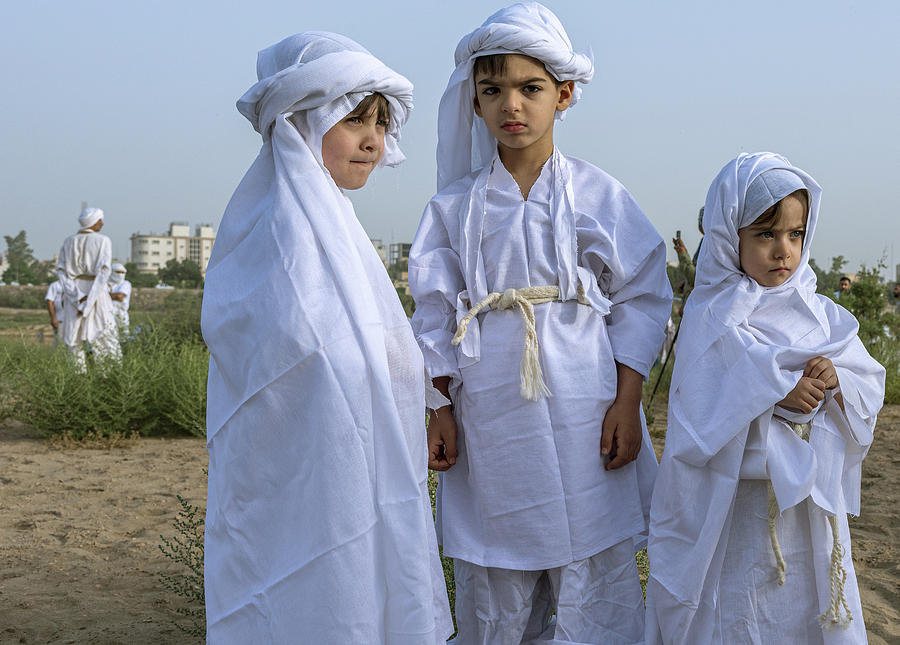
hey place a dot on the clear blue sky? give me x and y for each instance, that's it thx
(130, 106)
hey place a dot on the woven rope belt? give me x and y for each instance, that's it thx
(85, 276)
(838, 576)
(532, 378)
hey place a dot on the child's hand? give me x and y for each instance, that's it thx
(822, 369)
(621, 438)
(805, 396)
(441, 439)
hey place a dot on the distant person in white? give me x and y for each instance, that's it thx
(54, 300)
(83, 269)
(120, 293)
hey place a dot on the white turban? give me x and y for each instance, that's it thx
(89, 217)
(117, 275)
(530, 29)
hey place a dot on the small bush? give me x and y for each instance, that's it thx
(185, 549)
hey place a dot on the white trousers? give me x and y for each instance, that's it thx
(105, 347)
(595, 600)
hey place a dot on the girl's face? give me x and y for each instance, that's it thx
(353, 147)
(770, 250)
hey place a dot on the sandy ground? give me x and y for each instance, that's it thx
(79, 535)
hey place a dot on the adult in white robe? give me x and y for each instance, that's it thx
(714, 572)
(120, 293)
(83, 269)
(528, 491)
(318, 526)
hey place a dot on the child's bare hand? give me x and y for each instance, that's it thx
(805, 396)
(822, 369)
(441, 440)
(621, 438)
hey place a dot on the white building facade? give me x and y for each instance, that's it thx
(150, 251)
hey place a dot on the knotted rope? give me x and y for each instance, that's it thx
(838, 574)
(532, 378)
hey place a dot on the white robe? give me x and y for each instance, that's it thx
(743, 348)
(120, 307)
(86, 254)
(318, 525)
(529, 490)
(55, 294)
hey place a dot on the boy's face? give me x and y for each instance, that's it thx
(519, 105)
(770, 253)
(353, 147)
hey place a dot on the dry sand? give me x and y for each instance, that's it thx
(79, 535)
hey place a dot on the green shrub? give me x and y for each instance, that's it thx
(159, 387)
(185, 549)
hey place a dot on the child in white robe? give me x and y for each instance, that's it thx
(120, 293)
(546, 458)
(318, 525)
(771, 410)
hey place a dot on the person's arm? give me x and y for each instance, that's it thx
(102, 269)
(442, 451)
(622, 432)
(51, 309)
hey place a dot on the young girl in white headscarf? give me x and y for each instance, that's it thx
(541, 300)
(318, 525)
(771, 410)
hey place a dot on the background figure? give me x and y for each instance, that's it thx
(54, 300)
(895, 298)
(120, 294)
(843, 288)
(83, 269)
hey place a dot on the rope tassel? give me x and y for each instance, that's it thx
(780, 564)
(838, 612)
(531, 376)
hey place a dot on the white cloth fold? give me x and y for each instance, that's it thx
(318, 521)
(742, 348)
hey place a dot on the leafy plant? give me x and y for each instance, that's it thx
(185, 549)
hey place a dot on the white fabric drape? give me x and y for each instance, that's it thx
(742, 348)
(83, 269)
(318, 523)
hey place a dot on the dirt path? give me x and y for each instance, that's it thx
(79, 530)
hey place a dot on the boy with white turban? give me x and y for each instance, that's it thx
(545, 490)
(54, 299)
(772, 409)
(120, 293)
(318, 525)
(83, 269)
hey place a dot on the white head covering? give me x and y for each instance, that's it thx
(117, 275)
(742, 348)
(316, 385)
(464, 142)
(89, 217)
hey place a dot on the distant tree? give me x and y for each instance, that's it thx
(23, 267)
(827, 281)
(139, 279)
(185, 274)
(409, 305)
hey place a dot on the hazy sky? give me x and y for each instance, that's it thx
(130, 106)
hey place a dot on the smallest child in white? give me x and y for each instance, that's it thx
(120, 293)
(772, 409)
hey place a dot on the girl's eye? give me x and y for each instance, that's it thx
(490, 91)
(384, 123)
(354, 119)
(796, 234)
(766, 235)
(531, 89)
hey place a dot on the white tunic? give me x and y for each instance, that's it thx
(529, 490)
(87, 254)
(120, 307)
(55, 293)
